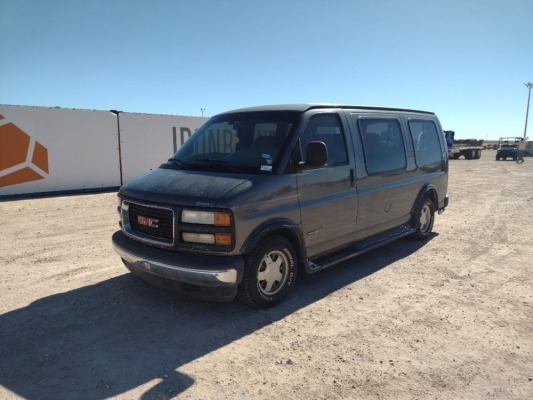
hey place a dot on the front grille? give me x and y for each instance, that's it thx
(155, 222)
(160, 226)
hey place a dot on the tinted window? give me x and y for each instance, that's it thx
(238, 142)
(426, 142)
(383, 144)
(326, 128)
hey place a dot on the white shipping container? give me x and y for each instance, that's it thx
(45, 149)
(148, 140)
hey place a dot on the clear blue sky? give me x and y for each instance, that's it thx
(466, 60)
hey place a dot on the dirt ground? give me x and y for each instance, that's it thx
(450, 318)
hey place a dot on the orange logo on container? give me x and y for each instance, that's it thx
(22, 159)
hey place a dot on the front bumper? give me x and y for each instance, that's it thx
(209, 277)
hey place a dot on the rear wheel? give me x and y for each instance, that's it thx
(270, 273)
(425, 219)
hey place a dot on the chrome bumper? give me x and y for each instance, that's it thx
(209, 276)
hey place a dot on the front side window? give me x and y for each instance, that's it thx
(247, 142)
(325, 128)
(426, 142)
(383, 144)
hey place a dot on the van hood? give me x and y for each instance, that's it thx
(182, 187)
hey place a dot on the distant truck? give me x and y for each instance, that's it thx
(470, 149)
(510, 146)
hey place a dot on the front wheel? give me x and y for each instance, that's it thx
(424, 220)
(269, 274)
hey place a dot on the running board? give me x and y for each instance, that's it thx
(316, 264)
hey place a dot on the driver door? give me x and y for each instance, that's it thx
(327, 195)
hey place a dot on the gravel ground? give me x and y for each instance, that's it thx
(450, 318)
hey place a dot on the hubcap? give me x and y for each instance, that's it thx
(425, 218)
(272, 272)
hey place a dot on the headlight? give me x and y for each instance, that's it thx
(216, 218)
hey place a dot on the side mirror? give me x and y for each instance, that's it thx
(316, 155)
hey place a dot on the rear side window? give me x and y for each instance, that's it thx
(383, 144)
(426, 142)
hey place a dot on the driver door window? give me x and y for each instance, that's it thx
(326, 128)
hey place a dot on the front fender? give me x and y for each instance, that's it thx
(284, 227)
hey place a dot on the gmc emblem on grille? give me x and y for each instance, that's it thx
(149, 222)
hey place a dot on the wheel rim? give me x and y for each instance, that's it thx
(425, 218)
(273, 272)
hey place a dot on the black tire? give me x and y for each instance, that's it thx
(424, 220)
(270, 273)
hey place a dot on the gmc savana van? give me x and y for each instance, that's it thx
(258, 195)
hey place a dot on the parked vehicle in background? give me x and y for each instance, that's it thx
(509, 148)
(258, 195)
(470, 149)
(505, 152)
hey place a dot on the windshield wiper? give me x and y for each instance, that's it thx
(177, 162)
(212, 163)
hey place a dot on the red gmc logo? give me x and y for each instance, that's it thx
(149, 222)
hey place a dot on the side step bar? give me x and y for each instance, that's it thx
(316, 264)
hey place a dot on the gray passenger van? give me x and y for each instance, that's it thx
(258, 195)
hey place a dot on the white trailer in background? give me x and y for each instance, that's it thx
(47, 150)
(470, 149)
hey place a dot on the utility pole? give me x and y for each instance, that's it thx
(117, 114)
(529, 85)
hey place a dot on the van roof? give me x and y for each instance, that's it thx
(310, 106)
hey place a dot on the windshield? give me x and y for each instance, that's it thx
(246, 142)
